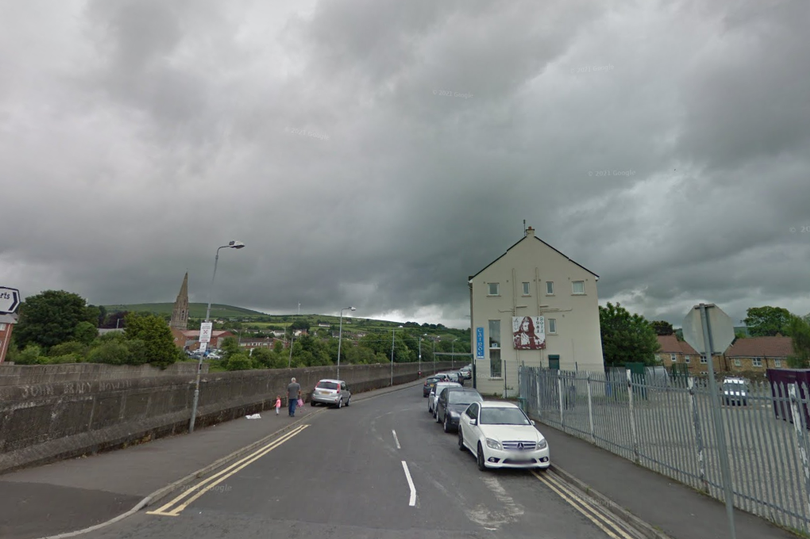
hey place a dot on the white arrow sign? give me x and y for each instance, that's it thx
(9, 300)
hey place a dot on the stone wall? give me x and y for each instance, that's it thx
(44, 422)
(15, 375)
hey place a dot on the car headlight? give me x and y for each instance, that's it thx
(493, 444)
(542, 444)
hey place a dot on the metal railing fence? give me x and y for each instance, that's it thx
(667, 426)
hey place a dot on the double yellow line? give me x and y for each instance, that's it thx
(586, 507)
(202, 487)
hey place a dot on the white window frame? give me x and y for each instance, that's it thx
(549, 288)
(673, 357)
(703, 359)
(687, 360)
(777, 363)
(497, 289)
(756, 362)
(573, 288)
(552, 326)
(737, 362)
(527, 288)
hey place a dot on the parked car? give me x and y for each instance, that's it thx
(465, 372)
(435, 391)
(500, 435)
(430, 383)
(451, 404)
(443, 377)
(735, 392)
(331, 392)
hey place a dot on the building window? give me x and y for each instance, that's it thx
(494, 333)
(550, 288)
(494, 363)
(737, 363)
(494, 289)
(777, 363)
(703, 358)
(2, 327)
(687, 360)
(673, 358)
(578, 287)
(658, 358)
(757, 361)
(552, 325)
(526, 289)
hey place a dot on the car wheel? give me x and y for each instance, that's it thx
(446, 424)
(348, 400)
(460, 439)
(438, 419)
(312, 403)
(340, 403)
(481, 464)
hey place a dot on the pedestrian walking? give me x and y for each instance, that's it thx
(293, 394)
(278, 403)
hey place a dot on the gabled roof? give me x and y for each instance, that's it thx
(761, 347)
(671, 345)
(541, 241)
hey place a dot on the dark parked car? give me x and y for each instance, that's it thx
(430, 383)
(451, 404)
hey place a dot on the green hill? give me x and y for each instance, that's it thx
(196, 310)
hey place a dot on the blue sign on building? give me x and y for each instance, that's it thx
(479, 343)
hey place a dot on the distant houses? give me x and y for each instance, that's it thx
(748, 355)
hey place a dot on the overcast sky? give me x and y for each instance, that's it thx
(376, 153)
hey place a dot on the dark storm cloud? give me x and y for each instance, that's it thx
(376, 154)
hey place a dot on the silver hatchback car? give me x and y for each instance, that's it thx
(331, 392)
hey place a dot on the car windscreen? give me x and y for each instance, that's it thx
(462, 397)
(503, 416)
(734, 386)
(327, 385)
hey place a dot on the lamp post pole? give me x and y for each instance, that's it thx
(340, 337)
(420, 356)
(433, 340)
(231, 245)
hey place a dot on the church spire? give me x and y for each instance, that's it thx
(180, 311)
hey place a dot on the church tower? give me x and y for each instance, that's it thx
(180, 312)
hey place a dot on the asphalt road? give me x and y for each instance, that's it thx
(345, 474)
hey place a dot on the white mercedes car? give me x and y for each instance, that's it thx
(500, 435)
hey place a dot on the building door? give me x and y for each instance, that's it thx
(554, 362)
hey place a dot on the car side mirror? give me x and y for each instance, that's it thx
(532, 420)
(473, 421)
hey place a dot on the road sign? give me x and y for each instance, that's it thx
(721, 329)
(203, 346)
(205, 331)
(9, 300)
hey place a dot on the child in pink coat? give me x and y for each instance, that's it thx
(278, 403)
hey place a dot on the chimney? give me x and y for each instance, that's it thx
(530, 232)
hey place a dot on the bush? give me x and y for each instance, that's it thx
(29, 356)
(138, 352)
(66, 348)
(58, 360)
(111, 353)
(239, 362)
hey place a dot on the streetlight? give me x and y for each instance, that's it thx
(392, 354)
(452, 354)
(233, 244)
(340, 337)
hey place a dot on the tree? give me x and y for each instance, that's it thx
(85, 333)
(51, 318)
(800, 333)
(229, 347)
(768, 321)
(626, 337)
(156, 336)
(662, 327)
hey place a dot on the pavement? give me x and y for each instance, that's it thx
(77, 494)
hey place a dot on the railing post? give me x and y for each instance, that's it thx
(560, 395)
(632, 416)
(800, 428)
(698, 434)
(590, 407)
